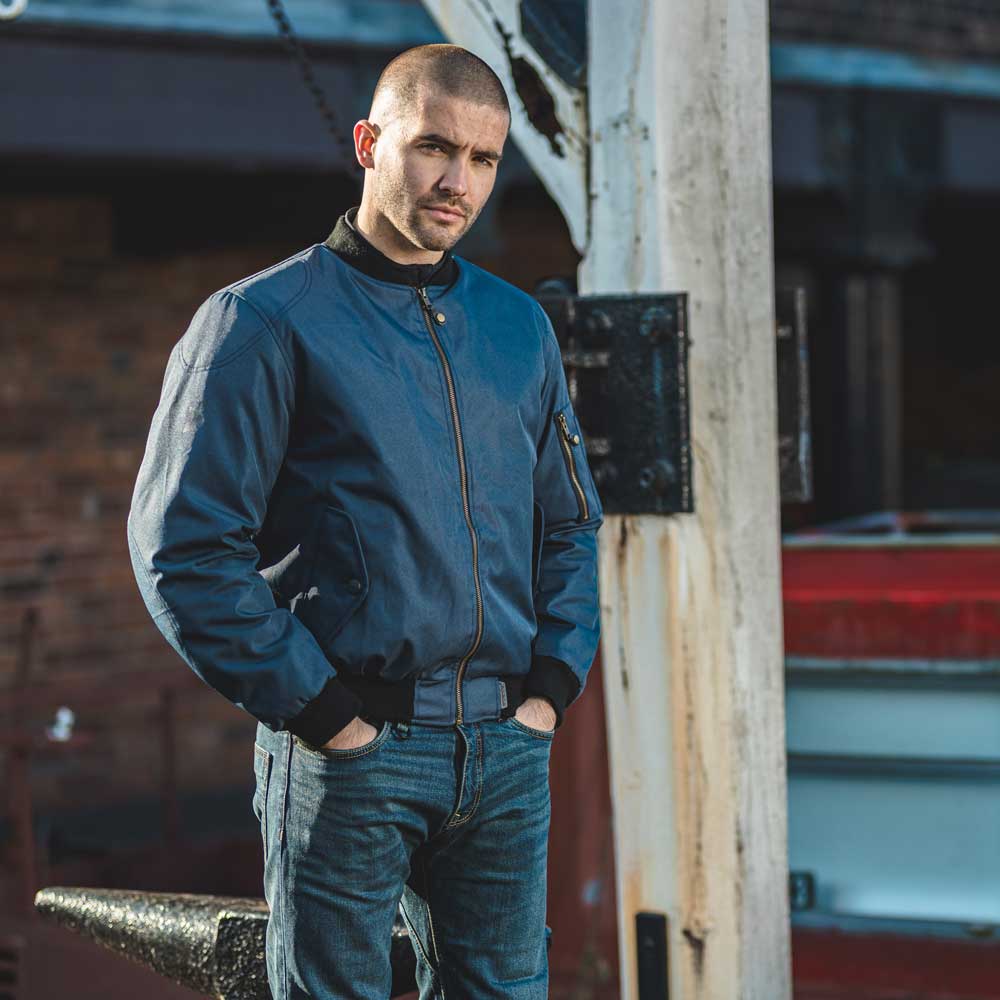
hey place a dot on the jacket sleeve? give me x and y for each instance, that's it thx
(566, 599)
(216, 443)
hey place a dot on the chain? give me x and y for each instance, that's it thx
(294, 46)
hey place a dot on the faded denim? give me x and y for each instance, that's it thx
(451, 821)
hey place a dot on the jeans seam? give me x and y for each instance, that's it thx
(282, 881)
(284, 794)
(479, 786)
(265, 788)
(461, 788)
(418, 945)
(438, 971)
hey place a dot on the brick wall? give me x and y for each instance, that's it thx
(84, 337)
(957, 29)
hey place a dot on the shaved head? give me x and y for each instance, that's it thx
(448, 69)
(430, 148)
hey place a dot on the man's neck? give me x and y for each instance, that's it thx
(347, 242)
(387, 239)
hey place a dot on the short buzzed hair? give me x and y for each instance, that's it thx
(448, 68)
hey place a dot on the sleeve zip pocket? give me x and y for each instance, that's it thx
(570, 442)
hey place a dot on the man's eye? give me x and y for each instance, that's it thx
(429, 145)
(485, 161)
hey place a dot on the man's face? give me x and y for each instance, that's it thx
(434, 167)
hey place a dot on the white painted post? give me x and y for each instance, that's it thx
(680, 200)
(691, 604)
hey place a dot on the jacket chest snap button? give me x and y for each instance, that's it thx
(354, 586)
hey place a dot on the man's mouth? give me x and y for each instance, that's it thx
(445, 214)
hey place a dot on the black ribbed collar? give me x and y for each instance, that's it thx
(351, 247)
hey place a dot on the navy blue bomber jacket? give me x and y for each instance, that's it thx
(365, 493)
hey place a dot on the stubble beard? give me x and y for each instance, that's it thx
(395, 202)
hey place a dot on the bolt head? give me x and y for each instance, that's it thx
(599, 322)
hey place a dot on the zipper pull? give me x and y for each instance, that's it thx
(564, 426)
(438, 317)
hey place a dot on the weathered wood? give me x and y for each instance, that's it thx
(691, 647)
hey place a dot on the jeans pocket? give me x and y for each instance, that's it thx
(542, 734)
(262, 760)
(327, 753)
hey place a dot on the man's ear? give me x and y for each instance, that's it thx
(365, 136)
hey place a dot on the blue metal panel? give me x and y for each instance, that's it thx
(894, 721)
(405, 22)
(894, 787)
(797, 140)
(387, 23)
(238, 109)
(972, 147)
(898, 847)
(844, 66)
(961, 930)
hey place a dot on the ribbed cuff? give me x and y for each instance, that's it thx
(323, 717)
(551, 678)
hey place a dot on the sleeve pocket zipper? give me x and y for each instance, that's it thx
(569, 441)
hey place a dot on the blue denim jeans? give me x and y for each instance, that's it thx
(448, 824)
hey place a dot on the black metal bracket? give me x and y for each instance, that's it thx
(794, 430)
(801, 890)
(626, 362)
(652, 951)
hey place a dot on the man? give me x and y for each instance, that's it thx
(365, 515)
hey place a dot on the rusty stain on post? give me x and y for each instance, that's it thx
(621, 552)
(691, 778)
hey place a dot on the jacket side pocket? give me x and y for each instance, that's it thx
(337, 581)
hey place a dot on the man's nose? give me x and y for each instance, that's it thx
(455, 179)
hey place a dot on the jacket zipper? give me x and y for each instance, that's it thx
(430, 318)
(568, 440)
